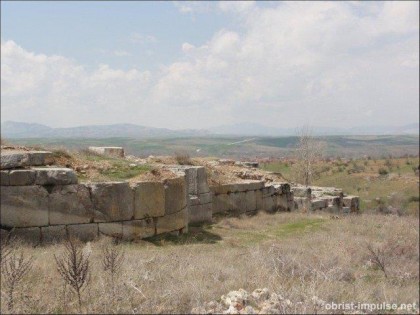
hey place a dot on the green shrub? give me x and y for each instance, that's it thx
(383, 171)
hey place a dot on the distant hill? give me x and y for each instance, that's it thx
(12, 129)
(252, 129)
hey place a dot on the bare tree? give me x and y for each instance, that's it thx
(14, 267)
(112, 261)
(73, 266)
(308, 151)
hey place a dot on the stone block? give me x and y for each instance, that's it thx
(206, 198)
(270, 204)
(237, 187)
(259, 199)
(54, 234)
(301, 191)
(200, 199)
(55, 176)
(172, 222)
(175, 195)
(221, 203)
(29, 235)
(318, 204)
(84, 232)
(22, 177)
(250, 201)
(149, 200)
(70, 204)
(346, 209)
(113, 229)
(38, 158)
(200, 213)
(115, 152)
(202, 185)
(112, 201)
(138, 229)
(24, 206)
(4, 178)
(15, 159)
(352, 202)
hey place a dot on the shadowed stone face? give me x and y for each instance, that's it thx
(24, 206)
(172, 222)
(70, 204)
(55, 176)
(175, 195)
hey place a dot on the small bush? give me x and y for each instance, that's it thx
(383, 171)
(183, 158)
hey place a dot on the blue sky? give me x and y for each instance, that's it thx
(203, 64)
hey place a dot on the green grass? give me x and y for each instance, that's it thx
(303, 225)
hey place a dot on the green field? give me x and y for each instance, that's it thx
(232, 147)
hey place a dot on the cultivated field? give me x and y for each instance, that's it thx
(300, 256)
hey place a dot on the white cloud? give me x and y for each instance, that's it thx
(322, 63)
(122, 53)
(142, 39)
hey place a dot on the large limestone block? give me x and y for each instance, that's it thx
(202, 185)
(138, 229)
(172, 222)
(200, 199)
(250, 199)
(38, 158)
(270, 203)
(24, 206)
(301, 191)
(4, 178)
(15, 159)
(29, 235)
(22, 177)
(238, 187)
(55, 176)
(84, 232)
(259, 199)
(149, 200)
(113, 229)
(223, 203)
(70, 204)
(352, 202)
(115, 152)
(54, 234)
(318, 204)
(175, 195)
(113, 201)
(200, 213)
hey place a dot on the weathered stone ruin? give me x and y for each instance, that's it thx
(45, 203)
(115, 152)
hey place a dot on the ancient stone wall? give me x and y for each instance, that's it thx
(47, 204)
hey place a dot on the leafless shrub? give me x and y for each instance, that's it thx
(378, 258)
(14, 267)
(183, 158)
(112, 261)
(308, 152)
(73, 266)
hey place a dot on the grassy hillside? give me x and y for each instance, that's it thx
(390, 181)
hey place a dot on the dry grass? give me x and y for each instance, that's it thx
(297, 255)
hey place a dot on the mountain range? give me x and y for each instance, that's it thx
(12, 129)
